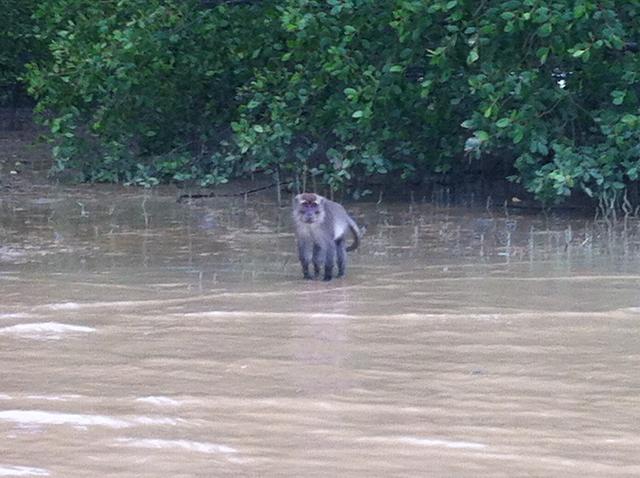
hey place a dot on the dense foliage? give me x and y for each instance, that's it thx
(143, 90)
(18, 46)
(337, 91)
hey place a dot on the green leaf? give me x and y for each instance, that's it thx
(350, 92)
(618, 97)
(629, 119)
(473, 56)
(518, 136)
(481, 135)
(358, 114)
(542, 54)
(503, 122)
(545, 30)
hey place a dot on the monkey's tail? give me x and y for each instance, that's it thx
(356, 236)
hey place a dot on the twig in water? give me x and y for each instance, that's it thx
(226, 195)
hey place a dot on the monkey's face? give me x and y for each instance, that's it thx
(309, 210)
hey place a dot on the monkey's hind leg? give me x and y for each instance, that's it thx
(341, 256)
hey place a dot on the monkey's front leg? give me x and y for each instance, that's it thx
(318, 253)
(330, 258)
(305, 254)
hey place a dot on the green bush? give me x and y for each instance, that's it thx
(142, 91)
(338, 91)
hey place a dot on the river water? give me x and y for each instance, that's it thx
(140, 337)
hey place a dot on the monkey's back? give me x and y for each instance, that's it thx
(338, 219)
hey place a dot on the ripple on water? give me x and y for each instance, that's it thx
(160, 401)
(54, 398)
(39, 417)
(44, 330)
(63, 306)
(429, 442)
(10, 470)
(16, 315)
(200, 447)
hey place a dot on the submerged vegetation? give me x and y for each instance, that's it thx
(340, 92)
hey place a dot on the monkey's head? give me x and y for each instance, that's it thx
(308, 208)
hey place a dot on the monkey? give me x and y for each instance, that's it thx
(321, 228)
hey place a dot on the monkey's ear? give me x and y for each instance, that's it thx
(297, 199)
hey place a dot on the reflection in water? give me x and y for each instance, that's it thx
(141, 337)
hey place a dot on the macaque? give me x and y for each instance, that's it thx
(321, 230)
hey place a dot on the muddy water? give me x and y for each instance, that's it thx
(144, 338)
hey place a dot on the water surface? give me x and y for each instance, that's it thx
(142, 337)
